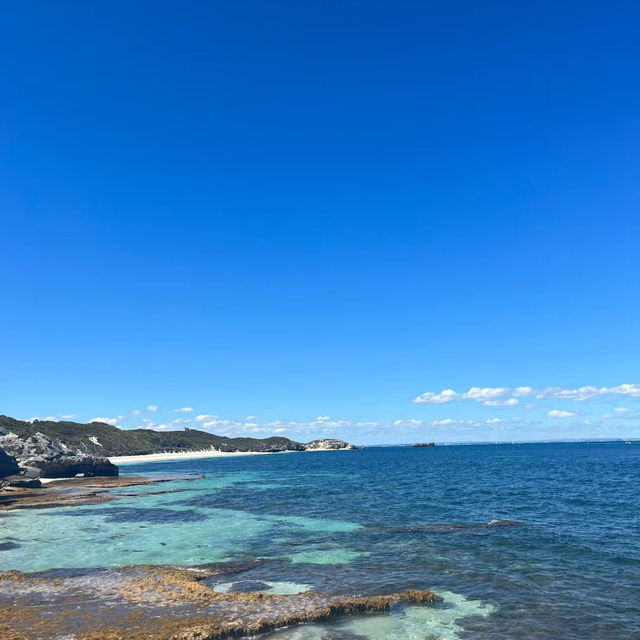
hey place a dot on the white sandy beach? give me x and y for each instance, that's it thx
(184, 455)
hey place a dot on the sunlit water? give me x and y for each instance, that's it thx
(572, 571)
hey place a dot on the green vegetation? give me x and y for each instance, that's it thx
(100, 439)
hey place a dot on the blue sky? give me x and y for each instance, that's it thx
(300, 217)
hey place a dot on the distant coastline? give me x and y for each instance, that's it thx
(168, 456)
(200, 454)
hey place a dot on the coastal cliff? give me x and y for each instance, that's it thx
(52, 449)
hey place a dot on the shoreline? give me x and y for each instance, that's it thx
(201, 453)
(186, 455)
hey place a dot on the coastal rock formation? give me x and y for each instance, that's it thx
(82, 491)
(40, 456)
(8, 464)
(164, 602)
(424, 444)
(325, 445)
(100, 439)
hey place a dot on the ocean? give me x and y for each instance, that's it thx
(528, 541)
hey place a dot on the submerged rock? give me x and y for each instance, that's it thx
(246, 586)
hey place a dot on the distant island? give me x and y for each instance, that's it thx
(50, 449)
(424, 444)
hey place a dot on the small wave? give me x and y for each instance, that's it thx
(448, 527)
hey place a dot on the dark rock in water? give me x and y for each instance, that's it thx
(7, 546)
(8, 464)
(339, 634)
(22, 482)
(53, 459)
(424, 444)
(247, 586)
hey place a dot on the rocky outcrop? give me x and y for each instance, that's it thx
(424, 444)
(328, 444)
(40, 456)
(8, 465)
(9, 469)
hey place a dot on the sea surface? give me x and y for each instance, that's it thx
(380, 520)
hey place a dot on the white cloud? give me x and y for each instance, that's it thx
(479, 394)
(136, 412)
(152, 407)
(111, 421)
(622, 410)
(485, 394)
(557, 413)
(408, 423)
(494, 420)
(52, 418)
(448, 395)
(183, 410)
(205, 416)
(511, 402)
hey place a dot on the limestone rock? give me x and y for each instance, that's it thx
(328, 444)
(53, 459)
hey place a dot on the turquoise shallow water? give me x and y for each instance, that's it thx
(354, 522)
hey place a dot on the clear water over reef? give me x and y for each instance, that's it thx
(365, 522)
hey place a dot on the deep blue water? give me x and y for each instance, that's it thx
(346, 522)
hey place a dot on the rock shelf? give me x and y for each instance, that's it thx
(163, 603)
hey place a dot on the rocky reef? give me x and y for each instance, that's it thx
(164, 603)
(80, 491)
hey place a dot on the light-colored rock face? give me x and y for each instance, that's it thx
(52, 458)
(328, 444)
(36, 448)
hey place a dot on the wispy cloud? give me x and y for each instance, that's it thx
(183, 410)
(558, 413)
(490, 395)
(152, 407)
(112, 421)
